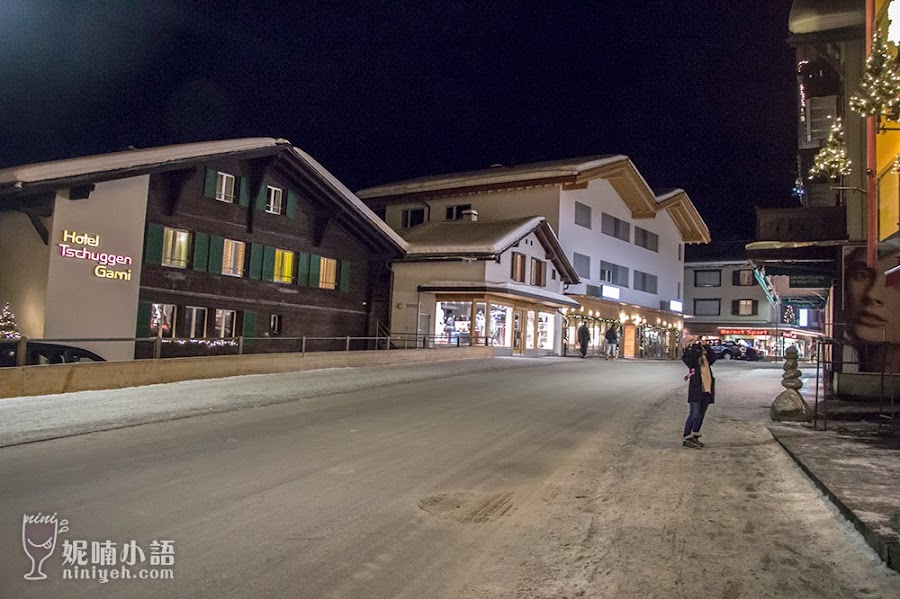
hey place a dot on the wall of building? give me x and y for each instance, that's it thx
(412, 313)
(666, 264)
(726, 293)
(23, 272)
(81, 301)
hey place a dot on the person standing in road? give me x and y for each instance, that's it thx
(612, 342)
(699, 357)
(584, 338)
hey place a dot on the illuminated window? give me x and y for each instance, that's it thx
(273, 200)
(327, 273)
(518, 267)
(194, 321)
(233, 258)
(284, 266)
(162, 320)
(744, 307)
(225, 188)
(225, 323)
(176, 243)
(742, 278)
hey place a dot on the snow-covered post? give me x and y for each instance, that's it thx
(790, 405)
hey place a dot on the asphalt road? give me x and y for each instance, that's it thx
(436, 488)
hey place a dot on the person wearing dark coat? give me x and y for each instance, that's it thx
(699, 358)
(584, 338)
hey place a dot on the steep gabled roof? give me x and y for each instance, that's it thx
(615, 168)
(484, 240)
(20, 184)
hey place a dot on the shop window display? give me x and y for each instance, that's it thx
(453, 323)
(545, 330)
(501, 325)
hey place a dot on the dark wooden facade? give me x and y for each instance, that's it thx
(316, 221)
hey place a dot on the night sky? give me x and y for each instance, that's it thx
(699, 94)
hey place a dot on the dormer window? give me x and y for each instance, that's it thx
(274, 197)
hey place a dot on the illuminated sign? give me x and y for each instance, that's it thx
(104, 260)
(675, 306)
(610, 292)
(744, 332)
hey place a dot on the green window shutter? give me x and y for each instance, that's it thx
(345, 275)
(143, 320)
(303, 269)
(249, 328)
(201, 251)
(314, 265)
(261, 197)
(244, 192)
(209, 188)
(291, 204)
(735, 307)
(216, 251)
(256, 260)
(153, 243)
(268, 265)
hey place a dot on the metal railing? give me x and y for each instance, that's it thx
(23, 351)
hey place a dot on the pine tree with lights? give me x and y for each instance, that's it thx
(8, 327)
(879, 88)
(831, 160)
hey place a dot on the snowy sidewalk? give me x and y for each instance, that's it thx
(29, 419)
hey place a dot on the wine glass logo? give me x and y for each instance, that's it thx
(39, 533)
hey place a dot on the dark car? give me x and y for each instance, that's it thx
(728, 350)
(39, 353)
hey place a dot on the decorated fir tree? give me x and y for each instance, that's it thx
(879, 88)
(8, 327)
(789, 316)
(831, 160)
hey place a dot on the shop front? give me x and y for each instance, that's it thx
(772, 340)
(642, 332)
(518, 324)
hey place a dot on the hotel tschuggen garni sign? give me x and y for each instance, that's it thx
(84, 246)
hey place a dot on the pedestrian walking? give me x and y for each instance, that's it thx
(612, 343)
(584, 338)
(698, 357)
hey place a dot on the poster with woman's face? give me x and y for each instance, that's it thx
(871, 308)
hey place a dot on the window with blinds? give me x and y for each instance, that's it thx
(233, 258)
(327, 273)
(284, 266)
(176, 244)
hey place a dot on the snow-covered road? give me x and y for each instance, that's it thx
(480, 479)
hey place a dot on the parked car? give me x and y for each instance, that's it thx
(728, 350)
(39, 353)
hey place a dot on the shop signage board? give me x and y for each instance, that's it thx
(809, 281)
(744, 332)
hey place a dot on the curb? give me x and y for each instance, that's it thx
(888, 551)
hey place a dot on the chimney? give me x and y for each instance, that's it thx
(470, 215)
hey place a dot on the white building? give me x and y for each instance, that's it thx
(625, 242)
(496, 283)
(733, 301)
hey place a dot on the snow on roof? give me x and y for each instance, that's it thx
(665, 194)
(453, 238)
(811, 16)
(497, 175)
(129, 159)
(350, 197)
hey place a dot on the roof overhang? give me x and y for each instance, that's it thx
(628, 183)
(503, 289)
(816, 16)
(685, 215)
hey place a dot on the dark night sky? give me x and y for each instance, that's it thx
(699, 94)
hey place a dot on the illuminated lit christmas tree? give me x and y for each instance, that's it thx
(831, 160)
(8, 327)
(789, 316)
(879, 87)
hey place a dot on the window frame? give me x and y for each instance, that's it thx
(190, 321)
(406, 217)
(538, 273)
(324, 264)
(278, 274)
(221, 191)
(718, 302)
(219, 323)
(615, 227)
(718, 272)
(645, 278)
(227, 269)
(646, 239)
(171, 311)
(583, 257)
(517, 264)
(168, 249)
(273, 193)
(585, 212)
(454, 212)
(276, 325)
(737, 275)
